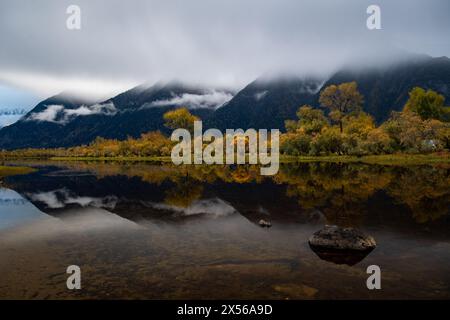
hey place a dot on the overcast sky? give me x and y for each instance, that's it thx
(220, 42)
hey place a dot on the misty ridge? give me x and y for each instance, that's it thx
(58, 114)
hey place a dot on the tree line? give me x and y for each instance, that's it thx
(338, 126)
(341, 127)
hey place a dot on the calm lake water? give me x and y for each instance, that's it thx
(163, 232)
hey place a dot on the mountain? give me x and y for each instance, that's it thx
(141, 109)
(38, 133)
(266, 103)
(386, 89)
(62, 120)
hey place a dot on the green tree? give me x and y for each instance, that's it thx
(427, 104)
(342, 100)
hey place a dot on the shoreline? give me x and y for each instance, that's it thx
(6, 171)
(390, 159)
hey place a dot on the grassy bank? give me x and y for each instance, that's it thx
(133, 158)
(407, 159)
(11, 171)
(391, 159)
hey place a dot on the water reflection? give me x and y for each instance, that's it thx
(15, 209)
(348, 257)
(160, 231)
(341, 194)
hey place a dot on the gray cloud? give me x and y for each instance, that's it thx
(260, 95)
(211, 100)
(61, 198)
(223, 42)
(61, 115)
(214, 207)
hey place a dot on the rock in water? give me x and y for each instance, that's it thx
(341, 245)
(334, 237)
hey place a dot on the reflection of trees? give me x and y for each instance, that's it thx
(183, 194)
(425, 190)
(158, 173)
(341, 191)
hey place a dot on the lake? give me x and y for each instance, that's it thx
(157, 231)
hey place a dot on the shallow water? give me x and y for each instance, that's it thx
(157, 231)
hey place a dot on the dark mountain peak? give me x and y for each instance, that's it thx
(66, 98)
(172, 93)
(267, 102)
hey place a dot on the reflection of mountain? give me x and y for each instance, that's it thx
(344, 194)
(264, 103)
(15, 209)
(136, 199)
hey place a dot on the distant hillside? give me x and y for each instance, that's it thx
(386, 89)
(266, 103)
(66, 121)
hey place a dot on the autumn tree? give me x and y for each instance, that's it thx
(412, 134)
(427, 104)
(342, 100)
(356, 130)
(299, 135)
(311, 119)
(180, 118)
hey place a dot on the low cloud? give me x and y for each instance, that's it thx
(260, 95)
(49, 114)
(222, 42)
(214, 207)
(61, 115)
(210, 100)
(60, 198)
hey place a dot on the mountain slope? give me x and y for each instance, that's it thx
(386, 89)
(265, 103)
(62, 121)
(44, 134)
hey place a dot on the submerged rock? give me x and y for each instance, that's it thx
(334, 237)
(341, 245)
